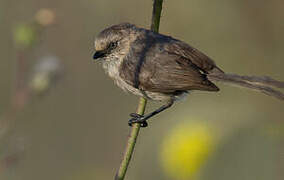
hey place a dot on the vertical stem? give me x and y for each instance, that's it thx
(156, 15)
(131, 142)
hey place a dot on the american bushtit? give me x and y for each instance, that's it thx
(161, 68)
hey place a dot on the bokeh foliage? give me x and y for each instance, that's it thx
(79, 128)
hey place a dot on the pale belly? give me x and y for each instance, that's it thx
(112, 70)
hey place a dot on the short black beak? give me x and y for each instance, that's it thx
(98, 54)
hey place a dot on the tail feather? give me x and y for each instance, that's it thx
(262, 84)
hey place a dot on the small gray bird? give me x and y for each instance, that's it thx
(161, 68)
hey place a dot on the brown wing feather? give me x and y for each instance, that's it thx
(173, 75)
(167, 65)
(182, 49)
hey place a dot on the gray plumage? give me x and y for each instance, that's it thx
(157, 66)
(152, 65)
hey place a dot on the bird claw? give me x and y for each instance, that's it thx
(135, 115)
(137, 118)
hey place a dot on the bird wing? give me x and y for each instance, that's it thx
(203, 62)
(166, 65)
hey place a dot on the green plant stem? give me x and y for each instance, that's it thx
(131, 142)
(156, 15)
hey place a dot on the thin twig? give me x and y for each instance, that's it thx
(156, 15)
(131, 142)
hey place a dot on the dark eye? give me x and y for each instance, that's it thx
(112, 45)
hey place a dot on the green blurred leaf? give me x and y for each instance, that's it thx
(24, 35)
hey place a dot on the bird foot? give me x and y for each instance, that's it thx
(137, 118)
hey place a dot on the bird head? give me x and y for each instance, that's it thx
(114, 42)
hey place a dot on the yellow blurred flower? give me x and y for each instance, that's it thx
(40, 83)
(185, 150)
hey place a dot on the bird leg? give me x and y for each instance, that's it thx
(142, 120)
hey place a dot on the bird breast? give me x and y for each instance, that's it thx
(112, 69)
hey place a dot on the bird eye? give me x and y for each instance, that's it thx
(112, 45)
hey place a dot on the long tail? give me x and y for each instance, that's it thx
(262, 84)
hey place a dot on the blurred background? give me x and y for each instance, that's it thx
(62, 118)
